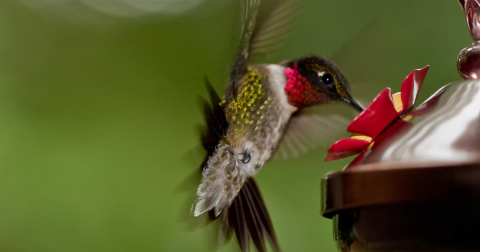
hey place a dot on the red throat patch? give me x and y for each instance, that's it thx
(300, 92)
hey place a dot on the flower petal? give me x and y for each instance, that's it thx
(376, 117)
(411, 86)
(346, 147)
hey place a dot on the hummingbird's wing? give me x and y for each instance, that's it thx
(261, 35)
(249, 12)
(274, 28)
(309, 129)
(216, 120)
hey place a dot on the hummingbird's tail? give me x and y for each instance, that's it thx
(248, 216)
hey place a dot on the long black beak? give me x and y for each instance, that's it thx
(352, 102)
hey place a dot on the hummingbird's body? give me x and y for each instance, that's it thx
(256, 119)
(259, 115)
(246, 127)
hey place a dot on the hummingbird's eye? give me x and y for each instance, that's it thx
(327, 79)
(246, 158)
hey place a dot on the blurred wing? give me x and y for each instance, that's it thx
(261, 40)
(216, 120)
(248, 21)
(352, 42)
(307, 131)
(249, 12)
(273, 30)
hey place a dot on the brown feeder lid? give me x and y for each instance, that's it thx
(433, 157)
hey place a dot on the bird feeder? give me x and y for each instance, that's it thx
(415, 182)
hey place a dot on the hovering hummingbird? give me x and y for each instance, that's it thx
(262, 104)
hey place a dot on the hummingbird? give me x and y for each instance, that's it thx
(262, 105)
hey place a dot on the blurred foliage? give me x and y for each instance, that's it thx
(97, 121)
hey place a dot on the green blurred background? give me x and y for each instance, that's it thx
(98, 115)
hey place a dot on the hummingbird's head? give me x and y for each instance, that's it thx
(316, 80)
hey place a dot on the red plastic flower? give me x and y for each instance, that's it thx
(377, 117)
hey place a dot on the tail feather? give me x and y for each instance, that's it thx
(263, 216)
(237, 221)
(249, 217)
(254, 224)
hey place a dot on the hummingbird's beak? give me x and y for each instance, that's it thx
(352, 102)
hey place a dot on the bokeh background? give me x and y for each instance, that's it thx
(99, 112)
